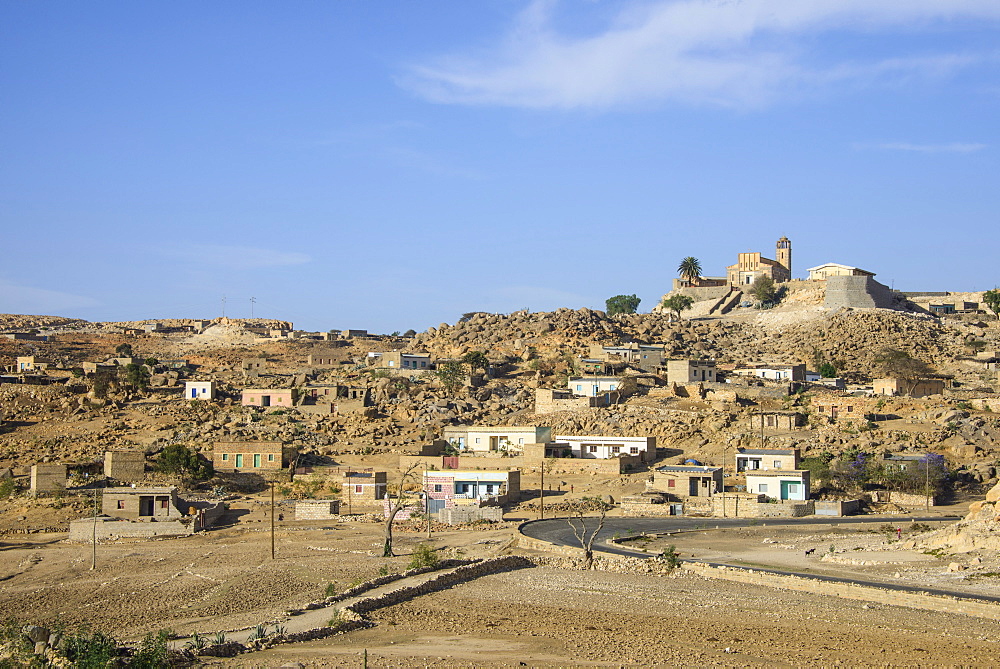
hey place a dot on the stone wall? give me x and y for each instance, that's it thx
(323, 509)
(467, 514)
(857, 292)
(913, 600)
(107, 529)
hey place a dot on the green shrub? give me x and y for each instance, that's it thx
(670, 557)
(7, 488)
(423, 556)
(90, 650)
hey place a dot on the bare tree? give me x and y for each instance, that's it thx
(583, 527)
(396, 507)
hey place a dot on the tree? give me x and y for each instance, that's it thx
(451, 374)
(579, 522)
(395, 508)
(992, 300)
(124, 350)
(185, 462)
(621, 304)
(678, 303)
(137, 375)
(896, 364)
(827, 371)
(476, 360)
(690, 269)
(763, 290)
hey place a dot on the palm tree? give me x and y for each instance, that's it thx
(690, 269)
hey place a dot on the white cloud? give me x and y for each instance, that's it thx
(16, 299)
(737, 54)
(236, 257)
(954, 147)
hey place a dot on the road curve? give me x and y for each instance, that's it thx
(558, 531)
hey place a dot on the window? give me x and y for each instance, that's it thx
(477, 440)
(437, 487)
(592, 448)
(270, 457)
(164, 503)
(358, 488)
(762, 487)
(579, 388)
(121, 504)
(793, 488)
(612, 386)
(777, 464)
(616, 449)
(633, 450)
(392, 363)
(225, 456)
(521, 441)
(671, 483)
(850, 409)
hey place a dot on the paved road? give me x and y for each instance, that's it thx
(558, 531)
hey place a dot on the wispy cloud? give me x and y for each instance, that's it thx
(954, 147)
(17, 299)
(236, 257)
(736, 54)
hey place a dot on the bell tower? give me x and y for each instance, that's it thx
(783, 255)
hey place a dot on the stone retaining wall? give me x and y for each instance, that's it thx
(912, 600)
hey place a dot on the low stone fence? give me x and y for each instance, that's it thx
(914, 600)
(82, 531)
(445, 580)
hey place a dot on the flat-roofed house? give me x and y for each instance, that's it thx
(688, 480)
(251, 456)
(779, 483)
(764, 459)
(610, 447)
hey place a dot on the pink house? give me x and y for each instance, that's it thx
(267, 397)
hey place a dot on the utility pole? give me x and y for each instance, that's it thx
(541, 491)
(427, 504)
(223, 306)
(927, 483)
(93, 558)
(272, 520)
(253, 300)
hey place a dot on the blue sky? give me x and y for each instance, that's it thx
(391, 165)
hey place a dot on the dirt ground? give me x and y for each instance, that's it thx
(225, 579)
(551, 617)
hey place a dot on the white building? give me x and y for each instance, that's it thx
(780, 484)
(591, 386)
(610, 447)
(496, 438)
(199, 390)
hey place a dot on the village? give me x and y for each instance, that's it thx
(773, 411)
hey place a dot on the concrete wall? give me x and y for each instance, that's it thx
(127, 466)
(47, 478)
(107, 529)
(467, 514)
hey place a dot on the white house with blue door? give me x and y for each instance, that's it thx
(199, 390)
(592, 386)
(780, 484)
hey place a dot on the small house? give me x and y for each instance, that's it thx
(449, 488)
(765, 459)
(691, 371)
(267, 397)
(688, 480)
(199, 390)
(610, 447)
(251, 456)
(591, 386)
(779, 484)
(497, 438)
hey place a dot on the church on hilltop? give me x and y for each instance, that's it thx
(751, 266)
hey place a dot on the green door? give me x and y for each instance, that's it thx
(239, 460)
(256, 459)
(789, 489)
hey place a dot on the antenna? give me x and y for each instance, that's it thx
(223, 306)
(253, 300)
